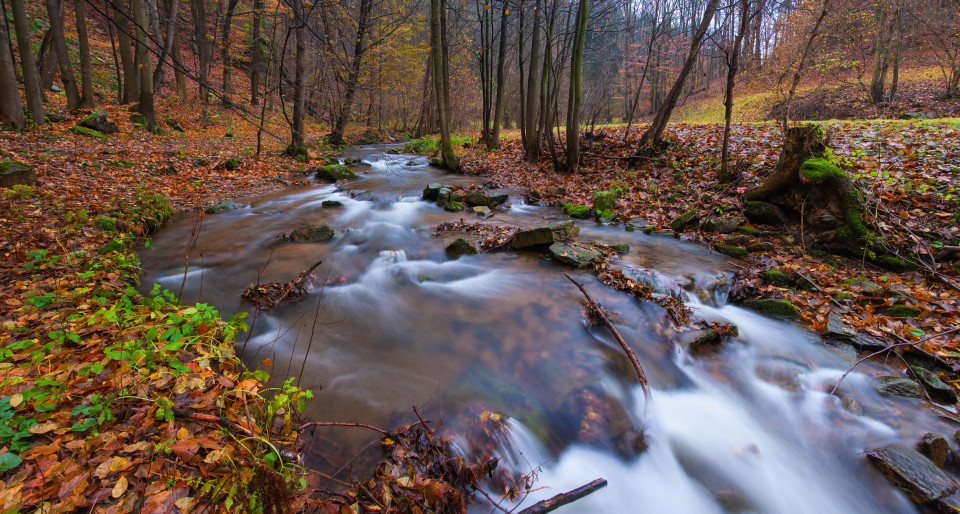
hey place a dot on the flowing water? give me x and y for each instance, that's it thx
(751, 428)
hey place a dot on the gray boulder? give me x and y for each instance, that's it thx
(13, 173)
(724, 225)
(573, 254)
(312, 233)
(547, 234)
(936, 388)
(911, 472)
(899, 386)
(98, 121)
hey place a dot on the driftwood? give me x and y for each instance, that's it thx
(268, 296)
(598, 310)
(564, 498)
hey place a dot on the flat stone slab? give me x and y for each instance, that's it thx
(914, 474)
(547, 234)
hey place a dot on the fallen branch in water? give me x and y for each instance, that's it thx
(889, 348)
(598, 310)
(564, 498)
(339, 424)
(267, 296)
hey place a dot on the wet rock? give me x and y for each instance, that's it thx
(763, 213)
(843, 350)
(98, 121)
(934, 447)
(724, 225)
(899, 386)
(606, 216)
(661, 233)
(775, 308)
(865, 342)
(709, 340)
(335, 172)
(685, 220)
(356, 163)
(776, 277)
(453, 206)
(913, 473)
(474, 198)
(604, 200)
(620, 248)
(546, 234)
(900, 311)
(443, 196)
(635, 224)
(331, 160)
(759, 246)
(837, 329)
(331, 204)
(483, 212)
(460, 247)
(577, 211)
(13, 173)
(498, 199)
(866, 286)
(737, 240)
(732, 251)
(224, 205)
(573, 254)
(936, 388)
(786, 375)
(312, 233)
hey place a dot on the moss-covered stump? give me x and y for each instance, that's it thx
(810, 189)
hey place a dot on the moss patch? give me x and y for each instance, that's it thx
(84, 131)
(900, 311)
(732, 251)
(604, 200)
(685, 219)
(820, 168)
(577, 211)
(776, 277)
(776, 308)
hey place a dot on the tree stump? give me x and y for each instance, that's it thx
(808, 188)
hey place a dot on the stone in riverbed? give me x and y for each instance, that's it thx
(459, 247)
(453, 206)
(311, 233)
(913, 473)
(334, 172)
(604, 200)
(474, 198)
(724, 225)
(635, 224)
(224, 205)
(331, 203)
(573, 254)
(685, 220)
(899, 386)
(936, 388)
(776, 308)
(577, 211)
(483, 212)
(934, 447)
(546, 234)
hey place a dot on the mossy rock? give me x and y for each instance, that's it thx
(460, 247)
(900, 311)
(229, 164)
(684, 220)
(98, 121)
(84, 131)
(895, 263)
(776, 308)
(606, 216)
(577, 211)
(936, 388)
(224, 205)
(866, 286)
(334, 173)
(14, 173)
(732, 251)
(453, 206)
(604, 200)
(777, 277)
(312, 233)
(475, 198)
(620, 247)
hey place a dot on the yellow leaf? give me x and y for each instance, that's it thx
(111, 465)
(120, 488)
(43, 428)
(405, 481)
(216, 455)
(387, 441)
(186, 504)
(16, 400)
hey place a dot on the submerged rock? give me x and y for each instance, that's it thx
(224, 205)
(483, 212)
(573, 254)
(936, 388)
(899, 386)
(459, 247)
(913, 473)
(546, 234)
(311, 233)
(331, 203)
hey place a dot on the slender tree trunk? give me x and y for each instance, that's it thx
(86, 66)
(895, 80)
(63, 57)
(145, 106)
(178, 74)
(881, 56)
(227, 59)
(257, 52)
(11, 111)
(353, 76)
(171, 7)
(198, 11)
(532, 153)
(31, 77)
(653, 136)
(441, 80)
(573, 102)
(733, 63)
(117, 70)
(501, 61)
(131, 79)
(299, 93)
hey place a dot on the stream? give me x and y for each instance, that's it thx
(750, 428)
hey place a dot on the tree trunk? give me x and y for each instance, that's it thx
(299, 93)
(494, 140)
(532, 150)
(11, 111)
(31, 77)
(86, 66)
(227, 59)
(733, 63)
(353, 76)
(441, 80)
(895, 80)
(145, 106)
(171, 7)
(63, 57)
(131, 79)
(199, 14)
(881, 56)
(573, 103)
(257, 52)
(652, 138)
(810, 190)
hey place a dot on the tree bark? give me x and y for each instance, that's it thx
(494, 140)
(145, 105)
(171, 7)
(11, 111)
(573, 103)
(441, 80)
(299, 93)
(227, 59)
(353, 76)
(63, 57)
(199, 15)
(86, 66)
(131, 79)
(31, 77)
(532, 150)
(652, 138)
(733, 63)
(257, 52)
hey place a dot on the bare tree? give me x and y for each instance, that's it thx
(31, 77)
(55, 13)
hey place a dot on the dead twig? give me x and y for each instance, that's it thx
(564, 498)
(616, 334)
(339, 424)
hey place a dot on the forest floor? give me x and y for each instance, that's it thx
(908, 170)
